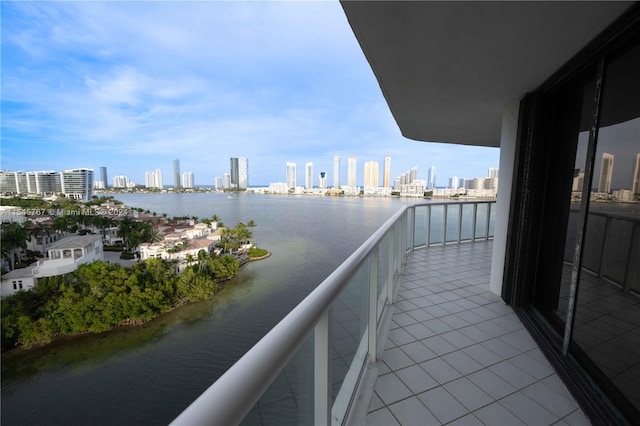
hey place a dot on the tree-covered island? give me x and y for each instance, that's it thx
(172, 270)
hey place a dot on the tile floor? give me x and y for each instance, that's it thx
(457, 355)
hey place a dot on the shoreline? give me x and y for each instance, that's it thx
(122, 326)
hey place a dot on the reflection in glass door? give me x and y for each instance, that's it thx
(606, 331)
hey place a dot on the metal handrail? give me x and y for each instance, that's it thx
(228, 400)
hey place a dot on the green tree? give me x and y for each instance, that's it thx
(14, 239)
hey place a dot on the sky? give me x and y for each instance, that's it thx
(134, 85)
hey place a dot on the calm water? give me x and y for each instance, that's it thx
(149, 374)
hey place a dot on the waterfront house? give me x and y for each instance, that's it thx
(65, 255)
(16, 280)
(181, 241)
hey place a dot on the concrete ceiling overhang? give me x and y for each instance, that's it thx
(448, 69)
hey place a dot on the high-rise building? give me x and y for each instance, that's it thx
(239, 173)
(431, 177)
(74, 183)
(103, 177)
(454, 182)
(578, 180)
(218, 182)
(308, 175)
(176, 174)
(386, 179)
(234, 170)
(606, 173)
(187, 180)
(291, 175)
(352, 176)
(371, 174)
(322, 180)
(635, 177)
(226, 181)
(493, 173)
(154, 179)
(78, 184)
(121, 181)
(336, 171)
(406, 178)
(16, 182)
(243, 173)
(48, 182)
(8, 182)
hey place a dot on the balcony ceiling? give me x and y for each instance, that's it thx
(448, 69)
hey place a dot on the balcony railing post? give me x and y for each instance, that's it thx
(473, 223)
(373, 303)
(392, 264)
(444, 226)
(460, 209)
(322, 370)
(488, 220)
(428, 225)
(413, 227)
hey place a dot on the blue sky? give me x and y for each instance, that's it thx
(133, 85)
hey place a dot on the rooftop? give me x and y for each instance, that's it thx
(74, 242)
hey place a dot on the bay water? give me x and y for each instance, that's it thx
(149, 374)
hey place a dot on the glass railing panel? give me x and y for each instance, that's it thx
(617, 246)
(467, 222)
(594, 237)
(481, 220)
(289, 398)
(492, 218)
(383, 272)
(437, 222)
(453, 212)
(420, 236)
(409, 230)
(349, 338)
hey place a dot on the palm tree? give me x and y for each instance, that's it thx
(189, 258)
(251, 224)
(39, 230)
(61, 225)
(202, 259)
(125, 231)
(14, 240)
(103, 223)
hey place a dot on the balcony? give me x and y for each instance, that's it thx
(456, 354)
(404, 332)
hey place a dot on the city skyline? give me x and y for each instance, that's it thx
(88, 85)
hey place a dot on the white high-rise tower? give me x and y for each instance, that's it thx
(291, 175)
(352, 177)
(308, 175)
(606, 173)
